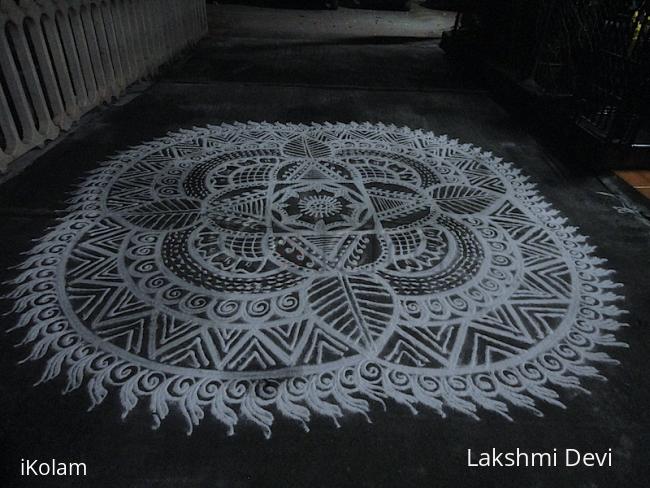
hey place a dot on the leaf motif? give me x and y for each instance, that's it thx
(461, 199)
(358, 307)
(170, 214)
(304, 146)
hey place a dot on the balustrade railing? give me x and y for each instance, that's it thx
(61, 58)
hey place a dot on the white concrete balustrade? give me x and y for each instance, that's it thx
(61, 58)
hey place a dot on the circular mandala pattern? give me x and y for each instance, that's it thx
(253, 269)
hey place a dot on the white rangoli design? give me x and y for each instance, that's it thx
(251, 270)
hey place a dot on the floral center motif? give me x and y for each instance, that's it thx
(319, 206)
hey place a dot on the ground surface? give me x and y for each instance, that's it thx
(296, 20)
(372, 77)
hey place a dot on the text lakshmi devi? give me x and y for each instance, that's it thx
(555, 458)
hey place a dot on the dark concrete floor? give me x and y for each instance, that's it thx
(296, 20)
(405, 82)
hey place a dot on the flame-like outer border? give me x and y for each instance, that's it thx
(349, 389)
